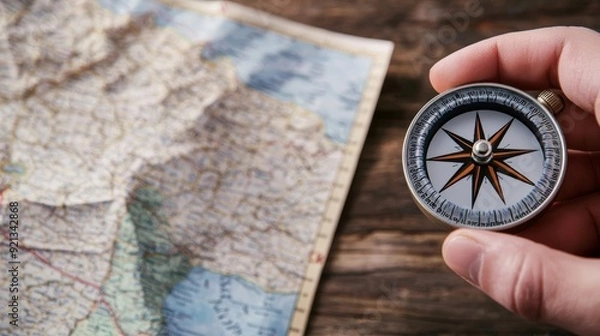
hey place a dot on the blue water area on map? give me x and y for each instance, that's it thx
(207, 303)
(326, 81)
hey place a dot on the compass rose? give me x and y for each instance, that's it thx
(481, 158)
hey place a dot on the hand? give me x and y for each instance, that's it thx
(546, 273)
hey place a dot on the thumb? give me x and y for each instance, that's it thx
(529, 279)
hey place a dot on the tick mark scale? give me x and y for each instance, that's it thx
(485, 156)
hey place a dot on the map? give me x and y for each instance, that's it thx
(174, 167)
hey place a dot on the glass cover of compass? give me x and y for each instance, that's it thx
(484, 156)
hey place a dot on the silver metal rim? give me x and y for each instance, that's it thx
(425, 209)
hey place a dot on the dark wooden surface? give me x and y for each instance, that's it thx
(385, 275)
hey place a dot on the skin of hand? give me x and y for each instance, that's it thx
(547, 272)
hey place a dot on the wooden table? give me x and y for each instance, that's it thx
(385, 275)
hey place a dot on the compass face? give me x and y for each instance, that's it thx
(484, 155)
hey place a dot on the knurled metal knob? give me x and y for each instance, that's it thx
(552, 101)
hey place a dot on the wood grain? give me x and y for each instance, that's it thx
(385, 275)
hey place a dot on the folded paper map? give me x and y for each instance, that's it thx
(172, 168)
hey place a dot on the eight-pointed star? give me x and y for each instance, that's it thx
(480, 171)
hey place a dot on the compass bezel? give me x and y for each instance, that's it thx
(452, 112)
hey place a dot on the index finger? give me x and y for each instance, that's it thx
(560, 57)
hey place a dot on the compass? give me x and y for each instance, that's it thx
(485, 156)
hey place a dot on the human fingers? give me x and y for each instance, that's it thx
(529, 279)
(572, 226)
(580, 128)
(557, 57)
(582, 176)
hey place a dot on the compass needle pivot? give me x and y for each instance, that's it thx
(482, 159)
(523, 147)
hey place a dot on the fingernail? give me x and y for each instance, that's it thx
(464, 255)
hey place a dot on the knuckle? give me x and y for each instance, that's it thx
(527, 286)
(578, 30)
